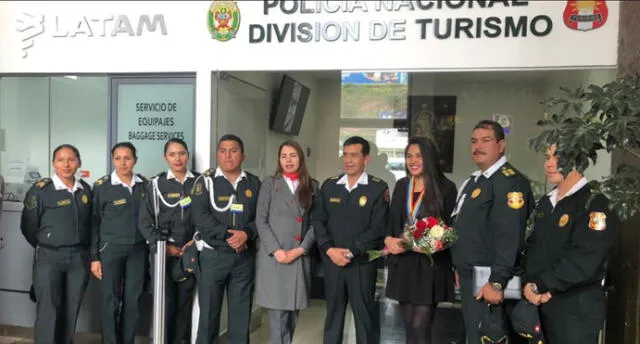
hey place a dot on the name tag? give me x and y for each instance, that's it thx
(120, 201)
(334, 200)
(185, 202)
(223, 198)
(173, 195)
(237, 208)
(64, 202)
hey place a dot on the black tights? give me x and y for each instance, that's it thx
(417, 322)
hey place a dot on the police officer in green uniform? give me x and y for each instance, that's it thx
(490, 216)
(168, 200)
(349, 219)
(56, 221)
(224, 203)
(566, 257)
(118, 249)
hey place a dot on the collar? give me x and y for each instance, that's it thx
(115, 180)
(553, 195)
(243, 174)
(59, 185)
(491, 170)
(363, 179)
(170, 175)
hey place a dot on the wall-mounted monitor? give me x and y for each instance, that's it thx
(289, 106)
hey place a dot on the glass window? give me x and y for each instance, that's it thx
(39, 113)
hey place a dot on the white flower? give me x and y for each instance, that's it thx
(436, 232)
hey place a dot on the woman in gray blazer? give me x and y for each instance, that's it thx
(283, 281)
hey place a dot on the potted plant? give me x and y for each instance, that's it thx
(584, 121)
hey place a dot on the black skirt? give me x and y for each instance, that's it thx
(412, 278)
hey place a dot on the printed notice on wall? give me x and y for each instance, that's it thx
(151, 114)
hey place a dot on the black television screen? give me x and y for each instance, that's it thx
(289, 107)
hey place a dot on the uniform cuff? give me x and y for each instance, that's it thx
(497, 278)
(94, 257)
(327, 245)
(542, 288)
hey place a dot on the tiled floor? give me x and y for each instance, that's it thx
(311, 324)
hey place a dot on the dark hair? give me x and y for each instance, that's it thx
(357, 140)
(129, 145)
(66, 145)
(175, 140)
(432, 174)
(231, 137)
(305, 192)
(493, 125)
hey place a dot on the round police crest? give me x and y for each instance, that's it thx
(85, 199)
(362, 201)
(476, 193)
(564, 219)
(223, 20)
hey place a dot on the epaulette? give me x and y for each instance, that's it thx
(144, 179)
(335, 177)
(507, 171)
(376, 180)
(209, 173)
(43, 182)
(103, 180)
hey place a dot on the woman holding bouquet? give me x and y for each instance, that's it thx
(283, 280)
(416, 281)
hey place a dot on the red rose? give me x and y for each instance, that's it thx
(438, 245)
(298, 238)
(421, 225)
(432, 221)
(417, 234)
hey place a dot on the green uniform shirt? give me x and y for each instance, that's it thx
(354, 220)
(570, 242)
(177, 218)
(491, 222)
(213, 225)
(115, 214)
(55, 217)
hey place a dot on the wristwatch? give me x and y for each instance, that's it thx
(534, 289)
(496, 286)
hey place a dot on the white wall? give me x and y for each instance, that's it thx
(308, 137)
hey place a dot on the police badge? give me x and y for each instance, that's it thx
(597, 221)
(515, 200)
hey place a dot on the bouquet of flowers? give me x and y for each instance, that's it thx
(429, 235)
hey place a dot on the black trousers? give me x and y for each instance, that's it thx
(574, 319)
(60, 277)
(354, 284)
(473, 310)
(178, 303)
(225, 270)
(123, 277)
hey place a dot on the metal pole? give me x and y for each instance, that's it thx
(158, 293)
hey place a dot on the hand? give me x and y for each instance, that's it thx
(294, 254)
(173, 251)
(96, 269)
(490, 295)
(530, 295)
(394, 245)
(280, 256)
(337, 256)
(544, 298)
(187, 245)
(238, 238)
(241, 248)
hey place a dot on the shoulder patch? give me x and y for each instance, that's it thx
(43, 182)
(507, 171)
(103, 180)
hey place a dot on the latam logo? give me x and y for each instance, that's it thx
(31, 26)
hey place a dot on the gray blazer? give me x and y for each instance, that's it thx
(282, 286)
